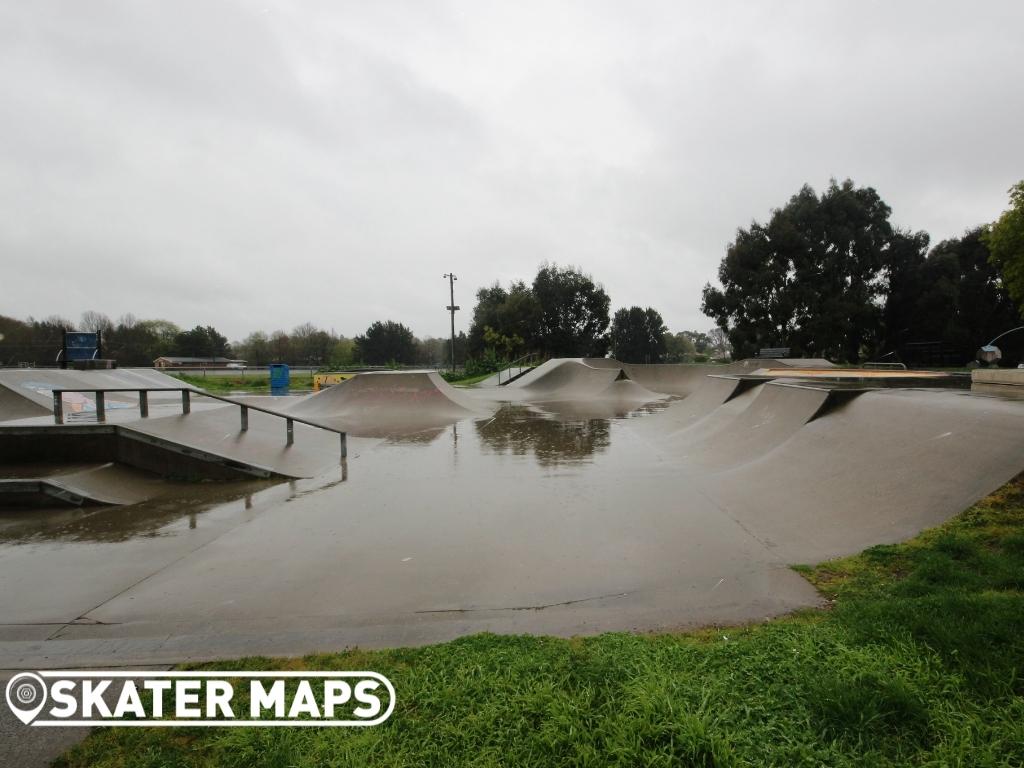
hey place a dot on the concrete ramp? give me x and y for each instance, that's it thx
(28, 392)
(712, 393)
(678, 380)
(207, 444)
(794, 362)
(875, 470)
(601, 362)
(561, 374)
(881, 377)
(683, 379)
(213, 437)
(757, 422)
(578, 380)
(383, 404)
(19, 405)
(686, 425)
(105, 484)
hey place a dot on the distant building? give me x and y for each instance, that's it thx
(197, 362)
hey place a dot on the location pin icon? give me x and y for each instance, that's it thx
(26, 696)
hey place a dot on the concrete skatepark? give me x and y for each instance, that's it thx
(585, 496)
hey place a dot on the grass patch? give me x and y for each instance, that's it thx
(918, 661)
(250, 382)
(468, 381)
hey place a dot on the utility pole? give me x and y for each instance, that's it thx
(452, 309)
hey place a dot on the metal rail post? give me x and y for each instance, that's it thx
(100, 394)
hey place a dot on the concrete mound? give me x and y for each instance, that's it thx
(670, 379)
(676, 379)
(382, 404)
(576, 379)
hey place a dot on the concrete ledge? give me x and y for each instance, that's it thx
(117, 443)
(1011, 376)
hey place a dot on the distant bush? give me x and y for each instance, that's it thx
(489, 362)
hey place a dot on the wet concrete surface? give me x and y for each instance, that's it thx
(525, 521)
(552, 516)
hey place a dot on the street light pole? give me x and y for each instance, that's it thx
(452, 309)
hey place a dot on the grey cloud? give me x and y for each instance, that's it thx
(254, 165)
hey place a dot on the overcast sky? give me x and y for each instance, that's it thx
(254, 165)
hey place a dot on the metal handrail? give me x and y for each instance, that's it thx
(1005, 333)
(520, 363)
(186, 408)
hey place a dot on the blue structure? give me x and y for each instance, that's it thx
(280, 378)
(80, 345)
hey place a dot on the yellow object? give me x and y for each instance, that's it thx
(321, 380)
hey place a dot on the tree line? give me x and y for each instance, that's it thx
(562, 313)
(135, 342)
(830, 276)
(827, 276)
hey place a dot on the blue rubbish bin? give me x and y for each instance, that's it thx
(280, 378)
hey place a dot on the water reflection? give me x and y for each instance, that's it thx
(577, 411)
(423, 436)
(521, 430)
(181, 509)
(149, 518)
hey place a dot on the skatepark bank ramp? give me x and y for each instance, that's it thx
(386, 403)
(579, 379)
(161, 433)
(27, 392)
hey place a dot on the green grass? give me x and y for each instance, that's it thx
(251, 382)
(469, 380)
(918, 660)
